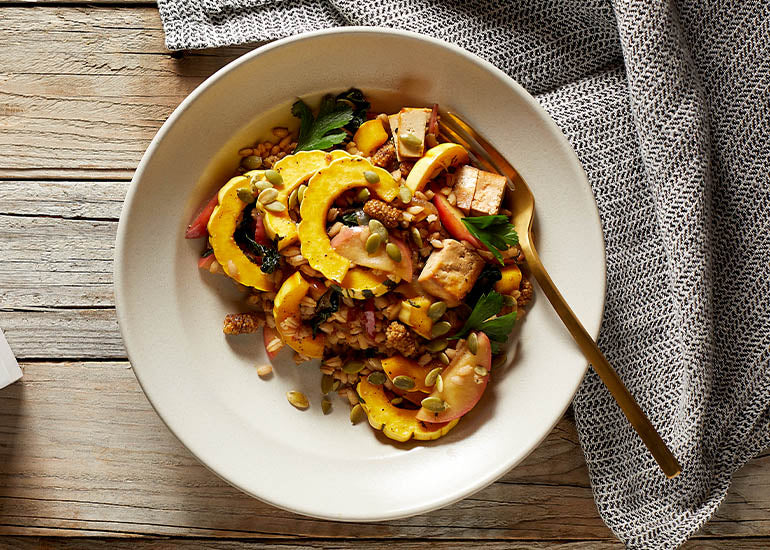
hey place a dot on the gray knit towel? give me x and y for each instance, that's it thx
(668, 108)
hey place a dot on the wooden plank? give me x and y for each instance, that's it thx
(99, 200)
(83, 90)
(82, 452)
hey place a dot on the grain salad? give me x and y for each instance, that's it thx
(364, 241)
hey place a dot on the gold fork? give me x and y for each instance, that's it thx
(522, 203)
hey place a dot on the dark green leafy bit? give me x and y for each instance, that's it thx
(324, 131)
(354, 218)
(390, 283)
(268, 256)
(495, 232)
(358, 103)
(487, 279)
(497, 328)
(327, 304)
(208, 252)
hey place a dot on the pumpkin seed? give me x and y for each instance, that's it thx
(262, 185)
(433, 404)
(416, 237)
(410, 140)
(430, 379)
(405, 194)
(440, 329)
(437, 310)
(245, 195)
(440, 383)
(326, 406)
(499, 361)
(371, 176)
(508, 301)
(327, 381)
(364, 194)
(376, 226)
(481, 371)
(301, 193)
(274, 177)
(298, 399)
(357, 414)
(373, 243)
(353, 367)
(403, 382)
(393, 251)
(444, 358)
(252, 162)
(436, 345)
(336, 385)
(396, 400)
(293, 199)
(268, 195)
(377, 378)
(275, 206)
(473, 343)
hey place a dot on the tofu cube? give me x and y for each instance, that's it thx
(411, 122)
(488, 195)
(451, 272)
(465, 186)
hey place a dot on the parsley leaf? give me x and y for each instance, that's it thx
(497, 328)
(319, 133)
(495, 232)
(327, 304)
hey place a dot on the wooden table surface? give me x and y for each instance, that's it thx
(84, 460)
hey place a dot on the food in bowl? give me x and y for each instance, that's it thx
(364, 241)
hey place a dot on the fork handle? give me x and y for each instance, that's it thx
(608, 375)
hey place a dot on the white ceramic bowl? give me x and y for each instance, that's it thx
(205, 386)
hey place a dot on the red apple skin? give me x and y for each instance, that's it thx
(267, 336)
(462, 396)
(452, 220)
(204, 262)
(197, 227)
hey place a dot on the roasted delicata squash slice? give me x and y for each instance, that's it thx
(395, 423)
(323, 188)
(222, 225)
(288, 321)
(436, 159)
(361, 283)
(295, 170)
(398, 365)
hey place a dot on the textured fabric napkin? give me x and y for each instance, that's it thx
(668, 107)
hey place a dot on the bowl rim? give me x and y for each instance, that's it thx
(120, 251)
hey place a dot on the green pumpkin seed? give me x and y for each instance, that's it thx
(363, 195)
(245, 195)
(376, 226)
(430, 379)
(293, 199)
(396, 400)
(440, 383)
(326, 406)
(437, 310)
(416, 237)
(357, 414)
(268, 195)
(393, 251)
(377, 378)
(275, 206)
(473, 343)
(353, 367)
(436, 345)
(444, 358)
(433, 404)
(405, 194)
(301, 193)
(274, 177)
(373, 243)
(404, 382)
(440, 329)
(481, 371)
(327, 381)
(336, 385)
(509, 301)
(252, 162)
(499, 361)
(410, 140)
(298, 399)
(371, 176)
(262, 185)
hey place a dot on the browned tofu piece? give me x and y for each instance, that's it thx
(465, 186)
(451, 272)
(489, 193)
(412, 122)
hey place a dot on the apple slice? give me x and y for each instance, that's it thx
(465, 380)
(268, 335)
(452, 220)
(198, 225)
(350, 243)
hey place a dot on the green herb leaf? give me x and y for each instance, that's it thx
(495, 232)
(499, 328)
(488, 305)
(269, 254)
(350, 219)
(360, 106)
(319, 133)
(327, 304)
